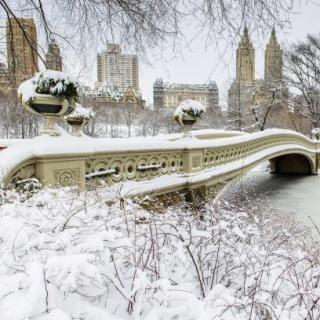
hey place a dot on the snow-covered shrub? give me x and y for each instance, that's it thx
(55, 83)
(190, 108)
(316, 133)
(28, 186)
(20, 190)
(80, 113)
(70, 255)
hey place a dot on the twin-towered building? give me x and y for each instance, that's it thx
(273, 66)
(251, 99)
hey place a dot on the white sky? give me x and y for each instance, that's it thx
(197, 64)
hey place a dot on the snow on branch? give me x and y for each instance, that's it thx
(92, 255)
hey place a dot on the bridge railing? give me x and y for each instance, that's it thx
(67, 161)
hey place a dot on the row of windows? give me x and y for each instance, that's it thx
(174, 100)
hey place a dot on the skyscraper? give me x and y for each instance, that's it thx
(273, 63)
(21, 48)
(245, 58)
(53, 57)
(255, 102)
(118, 70)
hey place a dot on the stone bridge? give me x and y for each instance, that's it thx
(156, 165)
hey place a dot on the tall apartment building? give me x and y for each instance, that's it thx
(169, 95)
(118, 70)
(53, 57)
(22, 55)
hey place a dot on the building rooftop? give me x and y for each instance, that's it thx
(185, 86)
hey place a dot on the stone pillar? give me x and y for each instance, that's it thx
(192, 161)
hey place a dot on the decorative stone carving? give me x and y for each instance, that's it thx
(67, 178)
(122, 168)
(164, 162)
(142, 174)
(117, 165)
(23, 173)
(130, 169)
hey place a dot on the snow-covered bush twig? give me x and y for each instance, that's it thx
(98, 262)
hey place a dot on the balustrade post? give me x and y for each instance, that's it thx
(192, 161)
(62, 172)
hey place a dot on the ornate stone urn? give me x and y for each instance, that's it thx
(187, 114)
(50, 94)
(51, 108)
(78, 118)
(76, 125)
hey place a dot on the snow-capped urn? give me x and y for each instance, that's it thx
(78, 118)
(316, 133)
(187, 113)
(51, 94)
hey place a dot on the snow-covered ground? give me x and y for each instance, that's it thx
(93, 256)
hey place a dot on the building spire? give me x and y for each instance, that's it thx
(245, 39)
(245, 30)
(273, 37)
(53, 57)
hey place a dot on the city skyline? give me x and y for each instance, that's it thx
(211, 66)
(195, 63)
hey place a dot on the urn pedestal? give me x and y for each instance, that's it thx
(188, 122)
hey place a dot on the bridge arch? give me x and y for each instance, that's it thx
(293, 163)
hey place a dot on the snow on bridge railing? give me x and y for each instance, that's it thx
(5, 143)
(69, 160)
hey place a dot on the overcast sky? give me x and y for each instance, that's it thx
(198, 64)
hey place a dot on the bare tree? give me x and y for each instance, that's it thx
(129, 116)
(15, 122)
(145, 24)
(303, 73)
(275, 97)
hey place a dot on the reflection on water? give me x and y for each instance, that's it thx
(297, 195)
